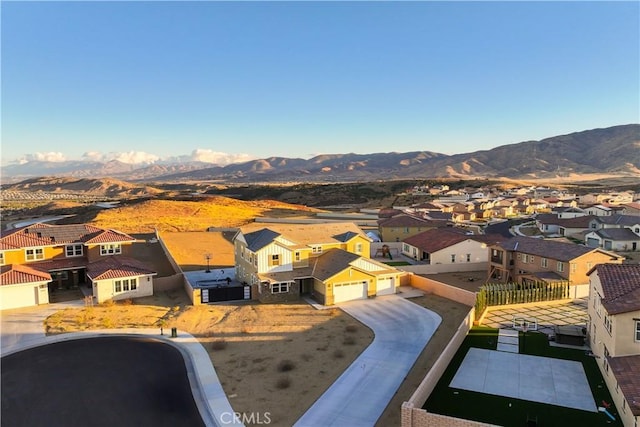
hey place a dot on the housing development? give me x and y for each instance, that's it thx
(549, 282)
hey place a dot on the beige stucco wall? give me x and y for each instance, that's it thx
(103, 289)
(23, 295)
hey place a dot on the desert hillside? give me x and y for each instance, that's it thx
(195, 215)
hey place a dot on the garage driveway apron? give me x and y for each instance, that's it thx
(359, 396)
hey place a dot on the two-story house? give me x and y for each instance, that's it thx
(614, 334)
(41, 259)
(399, 227)
(329, 262)
(529, 260)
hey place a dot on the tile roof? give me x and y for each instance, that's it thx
(48, 235)
(560, 251)
(625, 369)
(114, 267)
(620, 287)
(15, 274)
(436, 239)
(577, 222)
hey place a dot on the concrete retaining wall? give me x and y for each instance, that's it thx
(168, 283)
(442, 289)
(446, 268)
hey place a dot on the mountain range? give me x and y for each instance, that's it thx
(614, 150)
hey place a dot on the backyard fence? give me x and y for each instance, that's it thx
(492, 294)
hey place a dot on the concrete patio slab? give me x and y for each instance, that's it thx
(521, 376)
(360, 395)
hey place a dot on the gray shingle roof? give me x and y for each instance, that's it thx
(259, 239)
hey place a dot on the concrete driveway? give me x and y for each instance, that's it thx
(20, 326)
(361, 394)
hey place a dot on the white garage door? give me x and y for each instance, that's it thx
(385, 286)
(349, 291)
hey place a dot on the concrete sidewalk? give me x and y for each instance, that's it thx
(361, 394)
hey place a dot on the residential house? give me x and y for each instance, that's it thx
(614, 334)
(399, 227)
(40, 260)
(616, 232)
(450, 246)
(329, 262)
(631, 209)
(599, 210)
(527, 259)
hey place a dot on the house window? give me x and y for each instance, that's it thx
(574, 267)
(453, 258)
(468, 257)
(560, 267)
(1, 258)
(605, 361)
(607, 323)
(125, 285)
(543, 262)
(275, 259)
(589, 265)
(637, 330)
(316, 249)
(358, 248)
(406, 230)
(297, 256)
(531, 259)
(405, 248)
(73, 250)
(34, 254)
(112, 249)
(279, 288)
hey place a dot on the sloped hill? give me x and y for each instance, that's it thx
(107, 187)
(194, 215)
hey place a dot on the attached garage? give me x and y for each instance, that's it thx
(23, 286)
(385, 286)
(349, 291)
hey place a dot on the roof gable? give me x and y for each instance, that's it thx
(332, 262)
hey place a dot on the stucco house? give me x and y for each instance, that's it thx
(40, 260)
(399, 227)
(527, 259)
(449, 246)
(329, 262)
(613, 239)
(614, 333)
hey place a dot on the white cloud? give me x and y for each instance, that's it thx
(130, 157)
(209, 156)
(135, 157)
(51, 156)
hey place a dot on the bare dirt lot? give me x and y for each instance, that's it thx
(276, 358)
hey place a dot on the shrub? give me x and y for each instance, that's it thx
(127, 301)
(283, 382)
(349, 341)
(351, 328)
(286, 365)
(338, 354)
(218, 345)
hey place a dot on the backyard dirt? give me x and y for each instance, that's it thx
(276, 358)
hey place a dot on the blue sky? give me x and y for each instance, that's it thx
(230, 81)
